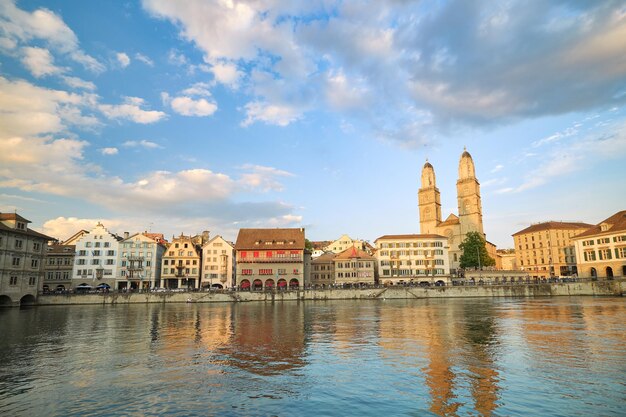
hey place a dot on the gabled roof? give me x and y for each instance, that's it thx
(408, 237)
(27, 232)
(352, 253)
(325, 258)
(13, 216)
(616, 223)
(263, 239)
(215, 238)
(61, 249)
(452, 219)
(76, 236)
(540, 227)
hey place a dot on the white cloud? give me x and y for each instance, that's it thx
(19, 26)
(131, 110)
(188, 106)
(26, 109)
(78, 83)
(280, 115)
(497, 168)
(226, 73)
(123, 59)
(109, 151)
(141, 143)
(262, 178)
(144, 59)
(40, 62)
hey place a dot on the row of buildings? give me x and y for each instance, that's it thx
(281, 258)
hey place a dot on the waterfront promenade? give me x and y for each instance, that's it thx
(615, 287)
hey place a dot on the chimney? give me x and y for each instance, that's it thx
(126, 234)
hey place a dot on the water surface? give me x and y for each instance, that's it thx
(552, 356)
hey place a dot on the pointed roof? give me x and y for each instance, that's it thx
(450, 220)
(13, 216)
(325, 258)
(352, 253)
(262, 239)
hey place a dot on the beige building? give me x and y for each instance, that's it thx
(546, 249)
(354, 266)
(180, 267)
(22, 252)
(218, 263)
(455, 227)
(58, 266)
(269, 258)
(413, 258)
(505, 259)
(323, 270)
(345, 242)
(601, 249)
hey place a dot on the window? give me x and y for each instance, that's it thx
(16, 261)
(107, 244)
(110, 262)
(32, 281)
(13, 281)
(589, 255)
(110, 253)
(34, 263)
(96, 253)
(97, 244)
(18, 244)
(605, 254)
(87, 244)
(246, 272)
(36, 247)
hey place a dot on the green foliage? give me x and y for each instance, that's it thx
(308, 245)
(474, 246)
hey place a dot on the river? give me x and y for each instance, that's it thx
(561, 356)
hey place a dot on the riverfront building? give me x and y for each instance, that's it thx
(454, 228)
(354, 266)
(268, 258)
(22, 253)
(181, 264)
(323, 270)
(58, 266)
(96, 258)
(601, 250)
(140, 258)
(218, 263)
(345, 242)
(546, 249)
(413, 258)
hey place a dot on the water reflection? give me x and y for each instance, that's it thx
(445, 357)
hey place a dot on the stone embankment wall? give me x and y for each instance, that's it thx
(593, 288)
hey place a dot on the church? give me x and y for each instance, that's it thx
(455, 227)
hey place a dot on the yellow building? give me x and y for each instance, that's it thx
(181, 264)
(547, 249)
(601, 250)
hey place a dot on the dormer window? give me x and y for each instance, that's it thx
(21, 226)
(604, 227)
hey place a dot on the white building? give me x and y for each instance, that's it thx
(343, 243)
(96, 258)
(413, 258)
(139, 261)
(218, 263)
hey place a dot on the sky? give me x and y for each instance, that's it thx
(182, 116)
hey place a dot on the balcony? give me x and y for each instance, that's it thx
(135, 258)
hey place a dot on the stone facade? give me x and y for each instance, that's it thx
(354, 266)
(601, 249)
(22, 252)
(412, 258)
(218, 263)
(455, 227)
(323, 270)
(546, 249)
(58, 267)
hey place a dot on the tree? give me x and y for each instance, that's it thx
(474, 246)
(308, 245)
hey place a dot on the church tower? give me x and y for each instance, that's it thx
(429, 201)
(468, 196)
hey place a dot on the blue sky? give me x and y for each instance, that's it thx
(183, 116)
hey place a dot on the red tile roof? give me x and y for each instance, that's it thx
(416, 236)
(352, 253)
(263, 239)
(616, 223)
(13, 216)
(540, 227)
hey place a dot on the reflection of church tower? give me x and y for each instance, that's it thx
(429, 201)
(468, 195)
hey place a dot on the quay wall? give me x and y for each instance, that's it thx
(587, 288)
